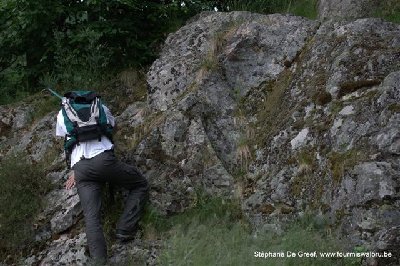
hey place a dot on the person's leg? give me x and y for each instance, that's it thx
(129, 177)
(90, 196)
(136, 200)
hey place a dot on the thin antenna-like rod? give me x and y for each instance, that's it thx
(55, 93)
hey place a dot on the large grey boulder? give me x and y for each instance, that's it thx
(203, 71)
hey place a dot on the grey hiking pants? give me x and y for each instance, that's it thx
(90, 174)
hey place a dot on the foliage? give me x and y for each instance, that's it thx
(79, 68)
(12, 86)
(77, 42)
(23, 185)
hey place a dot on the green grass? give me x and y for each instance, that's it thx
(342, 162)
(204, 208)
(304, 8)
(23, 186)
(218, 244)
(215, 233)
(389, 10)
(45, 105)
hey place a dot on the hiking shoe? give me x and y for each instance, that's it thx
(124, 236)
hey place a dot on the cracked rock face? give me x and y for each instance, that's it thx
(202, 71)
(337, 136)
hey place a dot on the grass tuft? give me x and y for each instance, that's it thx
(342, 162)
(304, 8)
(23, 185)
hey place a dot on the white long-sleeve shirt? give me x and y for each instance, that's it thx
(86, 149)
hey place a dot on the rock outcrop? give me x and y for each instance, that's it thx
(289, 115)
(315, 106)
(203, 71)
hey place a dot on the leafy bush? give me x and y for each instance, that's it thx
(82, 68)
(12, 87)
(23, 185)
(77, 40)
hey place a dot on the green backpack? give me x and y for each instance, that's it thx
(84, 118)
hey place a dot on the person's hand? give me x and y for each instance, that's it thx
(71, 181)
